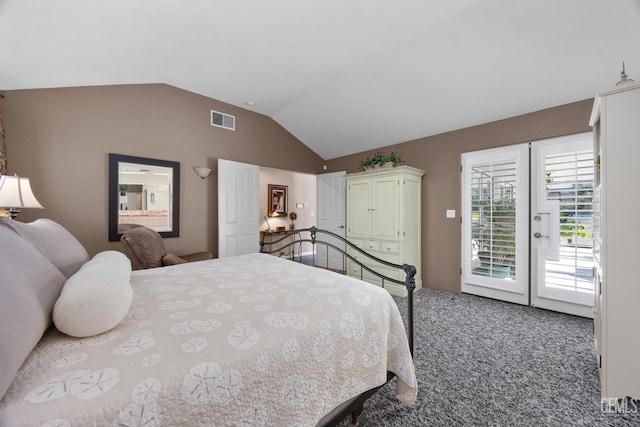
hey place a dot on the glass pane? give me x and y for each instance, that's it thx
(145, 196)
(493, 219)
(570, 182)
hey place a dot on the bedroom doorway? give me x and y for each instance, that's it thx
(527, 224)
(243, 203)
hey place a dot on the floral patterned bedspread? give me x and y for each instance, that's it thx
(253, 340)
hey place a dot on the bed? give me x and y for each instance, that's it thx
(245, 341)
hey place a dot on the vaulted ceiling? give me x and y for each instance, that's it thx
(343, 76)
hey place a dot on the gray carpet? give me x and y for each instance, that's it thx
(483, 362)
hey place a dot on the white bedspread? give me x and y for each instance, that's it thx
(245, 341)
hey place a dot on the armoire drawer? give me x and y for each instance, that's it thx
(371, 245)
(376, 245)
(390, 247)
(366, 245)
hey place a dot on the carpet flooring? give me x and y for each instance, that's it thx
(482, 362)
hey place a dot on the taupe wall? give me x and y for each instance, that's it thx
(60, 138)
(439, 156)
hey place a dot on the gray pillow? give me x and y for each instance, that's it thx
(54, 242)
(29, 287)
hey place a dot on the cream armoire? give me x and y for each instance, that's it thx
(616, 125)
(383, 218)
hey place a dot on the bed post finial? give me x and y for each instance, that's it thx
(313, 230)
(410, 271)
(410, 283)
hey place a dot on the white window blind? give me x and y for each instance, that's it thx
(569, 180)
(493, 219)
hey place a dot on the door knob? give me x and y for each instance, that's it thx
(538, 235)
(341, 226)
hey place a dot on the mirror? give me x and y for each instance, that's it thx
(143, 192)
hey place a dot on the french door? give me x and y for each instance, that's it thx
(495, 227)
(562, 224)
(527, 224)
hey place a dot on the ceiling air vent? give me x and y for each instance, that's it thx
(223, 120)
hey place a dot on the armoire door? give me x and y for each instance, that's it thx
(384, 210)
(359, 208)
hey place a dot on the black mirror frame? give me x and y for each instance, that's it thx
(114, 159)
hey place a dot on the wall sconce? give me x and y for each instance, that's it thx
(15, 194)
(202, 172)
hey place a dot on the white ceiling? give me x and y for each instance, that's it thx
(343, 76)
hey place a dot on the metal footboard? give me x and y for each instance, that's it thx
(290, 243)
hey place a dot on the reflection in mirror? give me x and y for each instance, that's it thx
(143, 192)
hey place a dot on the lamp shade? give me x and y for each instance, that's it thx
(15, 192)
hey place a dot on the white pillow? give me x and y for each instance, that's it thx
(96, 298)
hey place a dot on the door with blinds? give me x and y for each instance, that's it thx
(527, 224)
(494, 223)
(562, 224)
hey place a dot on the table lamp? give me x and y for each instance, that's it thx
(15, 194)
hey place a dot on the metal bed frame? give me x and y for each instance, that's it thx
(287, 243)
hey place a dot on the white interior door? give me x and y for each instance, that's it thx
(238, 211)
(562, 224)
(495, 223)
(331, 199)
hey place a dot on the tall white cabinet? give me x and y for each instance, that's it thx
(383, 218)
(616, 125)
